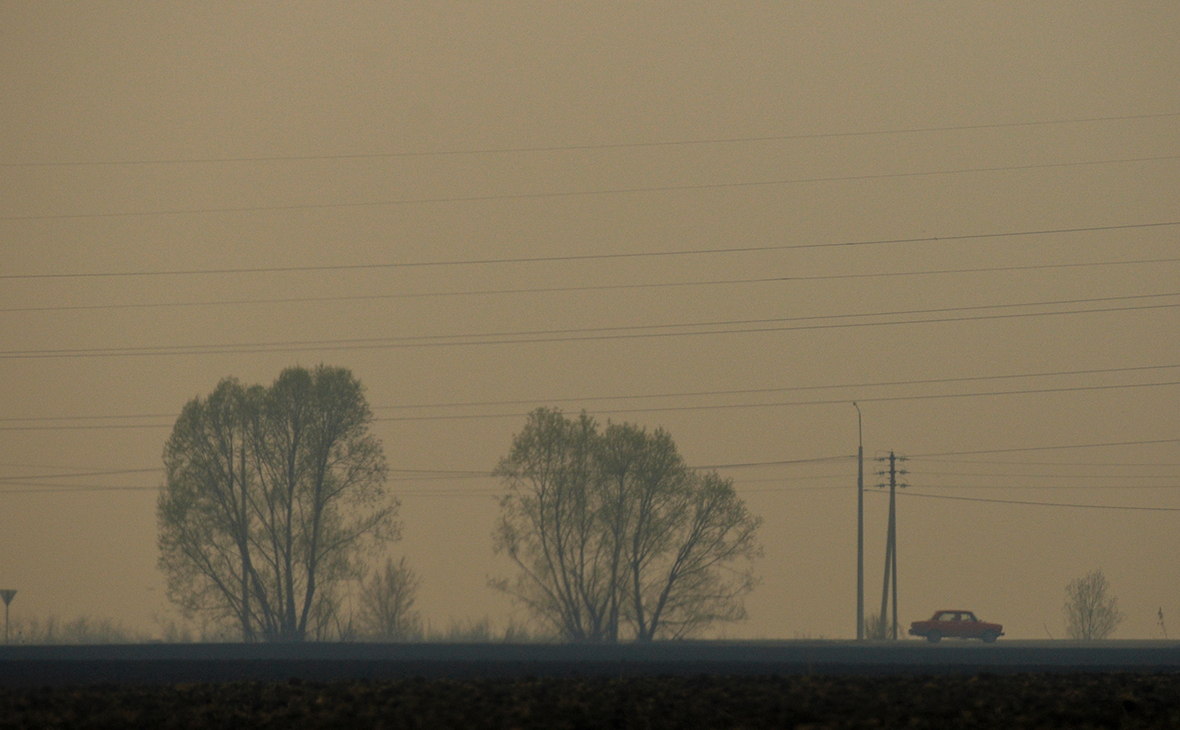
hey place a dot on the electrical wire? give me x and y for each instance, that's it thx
(1060, 488)
(784, 404)
(593, 257)
(580, 193)
(108, 472)
(682, 394)
(1125, 508)
(753, 391)
(670, 409)
(1151, 442)
(788, 462)
(421, 475)
(584, 147)
(654, 409)
(913, 472)
(1048, 463)
(590, 333)
(567, 289)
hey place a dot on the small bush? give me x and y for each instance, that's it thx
(875, 630)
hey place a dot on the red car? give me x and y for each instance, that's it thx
(957, 624)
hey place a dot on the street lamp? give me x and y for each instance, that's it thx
(7, 594)
(860, 528)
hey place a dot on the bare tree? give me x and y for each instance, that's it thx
(270, 497)
(387, 602)
(206, 508)
(613, 535)
(684, 570)
(550, 526)
(1090, 611)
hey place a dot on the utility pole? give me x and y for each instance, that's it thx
(860, 527)
(891, 542)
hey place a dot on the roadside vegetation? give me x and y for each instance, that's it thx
(81, 630)
(90, 630)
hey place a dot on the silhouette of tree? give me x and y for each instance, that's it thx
(270, 497)
(1090, 611)
(387, 602)
(615, 537)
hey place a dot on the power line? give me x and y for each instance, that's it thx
(1041, 476)
(402, 475)
(94, 427)
(713, 393)
(17, 482)
(579, 193)
(788, 462)
(81, 418)
(448, 475)
(1040, 504)
(401, 493)
(590, 257)
(786, 404)
(589, 333)
(1050, 448)
(102, 489)
(582, 147)
(76, 490)
(1053, 463)
(674, 409)
(485, 473)
(681, 394)
(80, 474)
(753, 391)
(1044, 487)
(35, 487)
(420, 475)
(566, 289)
(495, 492)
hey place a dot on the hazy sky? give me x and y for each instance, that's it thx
(727, 220)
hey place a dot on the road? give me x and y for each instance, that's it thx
(173, 663)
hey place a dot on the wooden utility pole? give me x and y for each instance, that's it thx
(891, 543)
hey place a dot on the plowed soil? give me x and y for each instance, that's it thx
(978, 701)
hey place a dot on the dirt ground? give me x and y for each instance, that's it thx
(1123, 700)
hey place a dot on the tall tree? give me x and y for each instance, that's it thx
(271, 496)
(615, 537)
(549, 525)
(1091, 611)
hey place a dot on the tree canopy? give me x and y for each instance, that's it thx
(271, 496)
(614, 537)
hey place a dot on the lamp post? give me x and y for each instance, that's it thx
(7, 594)
(860, 528)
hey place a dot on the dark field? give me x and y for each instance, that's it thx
(1058, 700)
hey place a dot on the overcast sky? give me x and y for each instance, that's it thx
(731, 221)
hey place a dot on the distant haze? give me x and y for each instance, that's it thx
(728, 221)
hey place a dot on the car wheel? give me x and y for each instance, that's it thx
(989, 637)
(934, 637)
